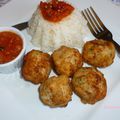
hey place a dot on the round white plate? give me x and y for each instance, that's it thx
(19, 99)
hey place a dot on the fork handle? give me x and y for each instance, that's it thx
(109, 37)
(117, 46)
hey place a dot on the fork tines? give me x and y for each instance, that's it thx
(94, 22)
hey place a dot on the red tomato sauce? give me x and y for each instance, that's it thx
(11, 45)
(55, 10)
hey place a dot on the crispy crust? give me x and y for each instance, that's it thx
(56, 91)
(36, 66)
(67, 60)
(99, 53)
(89, 84)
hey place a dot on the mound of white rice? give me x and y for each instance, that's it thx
(48, 36)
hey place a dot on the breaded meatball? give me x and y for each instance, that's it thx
(99, 53)
(89, 84)
(36, 66)
(56, 91)
(67, 60)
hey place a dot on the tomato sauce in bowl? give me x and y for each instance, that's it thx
(12, 49)
(11, 45)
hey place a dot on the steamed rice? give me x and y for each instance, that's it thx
(49, 36)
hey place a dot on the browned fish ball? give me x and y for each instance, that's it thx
(56, 91)
(89, 84)
(36, 66)
(67, 60)
(99, 53)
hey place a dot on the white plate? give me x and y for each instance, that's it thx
(19, 100)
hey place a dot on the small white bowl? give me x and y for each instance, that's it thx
(16, 63)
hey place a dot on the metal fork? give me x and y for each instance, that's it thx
(97, 27)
